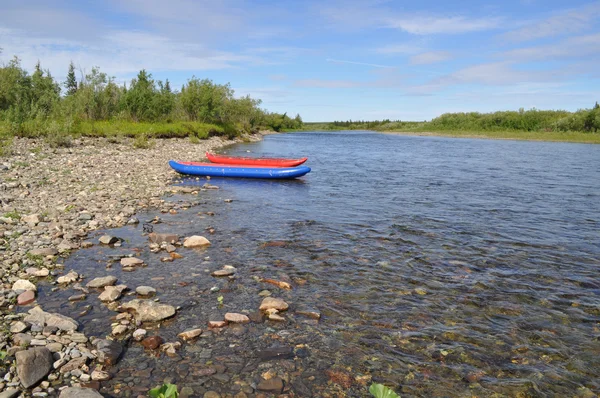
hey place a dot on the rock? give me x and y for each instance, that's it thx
(236, 318)
(166, 259)
(109, 351)
(42, 318)
(26, 297)
(196, 241)
(21, 339)
(139, 334)
(19, 327)
(33, 219)
(273, 303)
(108, 240)
(79, 392)
(54, 347)
(145, 290)
(73, 364)
(100, 375)
(314, 314)
(217, 324)
(152, 342)
(276, 352)
(224, 272)
(23, 284)
(211, 394)
(71, 277)
(119, 329)
(170, 348)
(33, 365)
(190, 334)
(10, 393)
(175, 256)
(131, 262)
(148, 310)
(102, 282)
(46, 251)
(86, 244)
(160, 238)
(77, 297)
(273, 385)
(275, 317)
(112, 293)
(40, 273)
(170, 248)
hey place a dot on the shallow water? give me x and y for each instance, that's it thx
(441, 267)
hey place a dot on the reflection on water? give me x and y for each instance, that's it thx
(442, 267)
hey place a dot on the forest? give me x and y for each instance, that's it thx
(93, 104)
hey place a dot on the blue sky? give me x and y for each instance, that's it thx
(330, 60)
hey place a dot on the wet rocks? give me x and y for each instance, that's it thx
(160, 238)
(148, 310)
(139, 334)
(236, 318)
(23, 284)
(276, 352)
(33, 365)
(273, 385)
(273, 303)
(152, 342)
(71, 277)
(190, 334)
(227, 270)
(196, 241)
(108, 240)
(100, 375)
(27, 297)
(309, 312)
(131, 262)
(109, 351)
(102, 282)
(112, 293)
(145, 290)
(42, 318)
(79, 392)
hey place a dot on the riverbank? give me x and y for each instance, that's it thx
(51, 200)
(554, 136)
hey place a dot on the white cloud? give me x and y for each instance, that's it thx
(430, 57)
(429, 25)
(566, 22)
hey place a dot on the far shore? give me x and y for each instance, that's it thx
(573, 137)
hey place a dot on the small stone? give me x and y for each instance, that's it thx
(217, 324)
(23, 284)
(48, 251)
(196, 241)
(109, 351)
(152, 342)
(145, 290)
(190, 334)
(131, 262)
(264, 293)
(160, 238)
(166, 259)
(420, 291)
(26, 297)
(78, 392)
(276, 303)
(275, 317)
(273, 385)
(170, 248)
(33, 219)
(100, 375)
(102, 282)
(149, 310)
(86, 244)
(236, 318)
(310, 313)
(223, 272)
(40, 273)
(73, 364)
(139, 334)
(108, 240)
(19, 327)
(71, 277)
(77, 297)
(119, 329)
(112, 293)
(175, 256)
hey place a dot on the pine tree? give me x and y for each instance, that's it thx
(71, 82)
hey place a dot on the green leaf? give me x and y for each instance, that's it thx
(171, 391)
(155, 392)
(381, 391)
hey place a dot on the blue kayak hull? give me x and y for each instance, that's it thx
(239, 171)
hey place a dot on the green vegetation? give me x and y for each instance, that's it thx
(381, 391)
(32, 106)
(165, 391)
(580, 126)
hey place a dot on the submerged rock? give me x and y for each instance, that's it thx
(196, 241)
(109, 351)
(131, 262)
(102, 282)
(273, 303)
(236, 318)
(160, 238)
(190, 334)
(108, 240)
(148, 310)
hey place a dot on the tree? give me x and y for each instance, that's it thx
(140, 98)
(71, 82)
(204, 100)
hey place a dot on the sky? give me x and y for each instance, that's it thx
(329, 60)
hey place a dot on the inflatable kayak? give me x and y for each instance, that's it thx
(229, 170)
(273, 162)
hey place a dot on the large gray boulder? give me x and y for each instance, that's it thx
(78, 392)
(149, 310)
(33, 365)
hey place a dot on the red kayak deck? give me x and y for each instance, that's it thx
(265, 162)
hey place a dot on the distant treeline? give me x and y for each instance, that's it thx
(584, 120)
(33, 105)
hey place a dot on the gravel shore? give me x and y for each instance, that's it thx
(50, 199)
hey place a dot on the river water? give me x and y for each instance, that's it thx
(441, 267)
